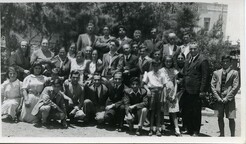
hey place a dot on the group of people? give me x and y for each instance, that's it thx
(115, 81)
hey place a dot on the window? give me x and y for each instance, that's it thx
(206, 24)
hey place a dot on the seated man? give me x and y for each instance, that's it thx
(51, 104)
(74, 91)
(115, 109)
(95, 99)
(136, 102)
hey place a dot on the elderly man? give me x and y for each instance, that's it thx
(115, 109)
(154, 41)
(122, 39)
(21, 59)
(196, 77)
(136, 102)
(225, 85)
(171, 48)
(102, 44)
(87, 39)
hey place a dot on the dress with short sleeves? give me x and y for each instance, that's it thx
(173, 107)
(34, 86)
(11, 93)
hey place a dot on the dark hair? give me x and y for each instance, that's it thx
(74, 45)
(180, 53)
(135, 79)
(64, 49)
(74, 72)
(155, 50)
(56, 81)
(97, 74)
(15, 68)
(116, 42)
(121, 26)
(82, 53)
(118, 72)
(171, 57)
(226, 57)
(34, 65)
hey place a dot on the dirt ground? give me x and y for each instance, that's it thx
(209, 128)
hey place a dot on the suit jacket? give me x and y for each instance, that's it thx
(165, 50)
(140, 99)
(64, 68)
(231, 84)
(126, 40)
(57, 99)
(131, 63)
(116, 64)
(18, 59)
(102, 45)
(196, 75)
(90, 93)
(116, 95)
(83, 41)
(152, 44)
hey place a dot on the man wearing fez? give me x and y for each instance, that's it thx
(196, 77)
(102, 44)
(115, 109)
(225, 85)
(87, 39)
(136, 102)
(130, 68)
(51, 105)
(112, 61)
(95, 99)
(122, 39)
(154, 41)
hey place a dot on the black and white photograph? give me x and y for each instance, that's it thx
(123, 71)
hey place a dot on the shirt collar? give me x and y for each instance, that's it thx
(134, 92)
(226, 70)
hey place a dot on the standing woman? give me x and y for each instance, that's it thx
(62, 62)
(72, 51)
(21, 59)
(32, 87)
(42, 55)
(79, 64)
(95, 65)
(11, 95)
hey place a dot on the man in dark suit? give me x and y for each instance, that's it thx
(112, 61)
(102, 43)
(225, 85)
(136, 102)
(95, 99)
(122, 39)
(144, 61)
(115, 109)
(196, 77)
(87, 39)
(130, 68)
(154, 42)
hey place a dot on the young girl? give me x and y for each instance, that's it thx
(171, 91)
(11, 95)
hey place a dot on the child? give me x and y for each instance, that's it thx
(154, 83)
(171, 92)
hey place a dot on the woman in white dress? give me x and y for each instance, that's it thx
(11, 95)
(32, 87)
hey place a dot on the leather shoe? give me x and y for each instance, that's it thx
(139, 132)
(158, 133)
(195, 134)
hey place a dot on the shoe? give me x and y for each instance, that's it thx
(38, 125)
(158, 133)
(139, 132)
(177, 134)
(150, 132)
(221, 135)
(64, 124)
(120, 129)
(195, 134)
(7, 118)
